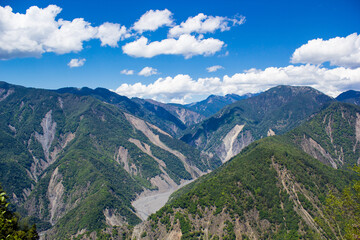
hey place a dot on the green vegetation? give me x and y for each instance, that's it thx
(156, 115)
(9, 224)
(281, 109)
(252, 183)
(86, 174)
(267, 186)
(350, 96)
(345, 210)
(213, 104)
(334, 129)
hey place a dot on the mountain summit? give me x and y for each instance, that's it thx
(272, 112)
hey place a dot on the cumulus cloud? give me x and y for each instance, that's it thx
(69, 37)
(111, 33)
(169, 89)
(205, 24)
(214, 68)
(339, 51)
(183, 89)
(148, 71)
(36, 32)
(127, 72)
(152, 20)
(76, 62)
(186, 45)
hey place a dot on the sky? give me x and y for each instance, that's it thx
(181, 51)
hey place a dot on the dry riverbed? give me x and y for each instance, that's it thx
(151, 201)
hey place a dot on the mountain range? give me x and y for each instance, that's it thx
(273, 112)
(272, 189)
(91, 163)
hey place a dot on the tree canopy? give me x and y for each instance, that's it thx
(9, 223)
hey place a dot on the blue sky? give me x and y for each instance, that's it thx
(253, 45)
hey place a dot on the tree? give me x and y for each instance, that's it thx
(9, 225)
(345, 210)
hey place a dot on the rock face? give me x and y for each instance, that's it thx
(170, 118)
(186, 116)
(331, 136)
(4, 93)
(155, 139)
(229, 141)
(277, 110)
(45, 139)
(76, 164)
(55, 195)
(313, 148)
(269, 191)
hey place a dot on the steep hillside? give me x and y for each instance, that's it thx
(155, 114)
(350, 96)
(275, 111)
(271, 190)
(186, 116)
(214, 103)
(332, 136)
(75, 164)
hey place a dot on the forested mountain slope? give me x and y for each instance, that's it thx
(350, 96)
(275, 111)
(271, 190)
(74, 163)
(155, 114)
(214, 103)
(332, 136)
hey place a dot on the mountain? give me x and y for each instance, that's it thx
(271, 190)
(214, 103)
(275, 111)
(332, 136)
(172, 118)
(186, 116)
(350, 96)
(148, 111)
(75, 164)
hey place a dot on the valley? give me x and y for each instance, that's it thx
(91, 163)
(179, 120)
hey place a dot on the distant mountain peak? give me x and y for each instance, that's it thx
(214, 103)
(350, 96)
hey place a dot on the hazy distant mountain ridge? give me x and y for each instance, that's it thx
(214, 103)
(350, 96)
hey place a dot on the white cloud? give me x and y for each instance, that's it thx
(182, 88)
(111, 33)
(205, 24)
(36, 32)
(186, 45)
(69, 37)
(127, 72)
(152, 20)
(339, 51)
(167, 89)
(148, 71)
(214, 68)
(76, 62)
